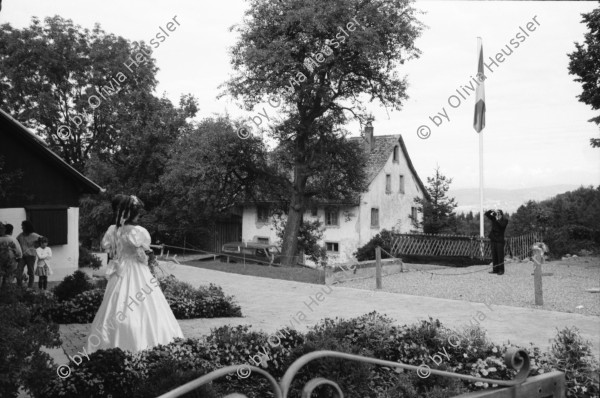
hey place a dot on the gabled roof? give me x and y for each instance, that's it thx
(36, 144)
(376, 160)
(378, 157)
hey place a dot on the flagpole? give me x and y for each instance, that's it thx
(478, 125)
(481, 184)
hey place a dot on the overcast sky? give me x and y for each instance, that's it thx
(536, 133)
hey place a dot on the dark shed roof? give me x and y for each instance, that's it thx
(10, 126)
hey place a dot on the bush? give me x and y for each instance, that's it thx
(569, 239)
(80, 309)
(373, 335)
(167, 376)
(204, 302)
(405, 386)
(23, 331)
(106, 372)
(238, 345)
(38, 302)
(72, 286)
(79, 300)
(190, 354)
(351, 376)
(382, 239)
(572, 355)
(145, 374)
(87, 259)
(160, 369)
(309, 235)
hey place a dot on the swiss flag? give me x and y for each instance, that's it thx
(479, 118)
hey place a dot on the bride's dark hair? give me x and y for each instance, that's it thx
(126, 208)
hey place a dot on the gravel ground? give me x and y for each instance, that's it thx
(564, 291)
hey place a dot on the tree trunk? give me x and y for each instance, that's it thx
(290, 235)
(294, 220)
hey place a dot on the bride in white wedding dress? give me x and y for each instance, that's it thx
(134, 314)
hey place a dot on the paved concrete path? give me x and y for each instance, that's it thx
(269, 304)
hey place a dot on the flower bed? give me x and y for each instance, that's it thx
(158, 370)
(78, 300)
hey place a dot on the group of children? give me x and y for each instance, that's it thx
(27, 251)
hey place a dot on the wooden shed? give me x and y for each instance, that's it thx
(38, 185)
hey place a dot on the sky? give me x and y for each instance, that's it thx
(537, 132)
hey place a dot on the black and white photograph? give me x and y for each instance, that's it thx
(299, 199)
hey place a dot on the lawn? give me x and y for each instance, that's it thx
(296, 274)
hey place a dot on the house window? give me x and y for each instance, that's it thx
(396, 154)
(332, 247)
(414, 213)
(388, 183)
(262, 240)
(332, 217)
(313, 211)
(401, 189)
(262, 214)
(375, 218)
(51, 223)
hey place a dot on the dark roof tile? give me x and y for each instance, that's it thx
(382, 149)
(37, 144)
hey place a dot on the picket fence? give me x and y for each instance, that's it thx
(460, 245)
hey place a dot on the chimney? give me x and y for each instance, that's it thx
(369, 134)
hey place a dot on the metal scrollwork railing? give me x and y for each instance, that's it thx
(514, 358)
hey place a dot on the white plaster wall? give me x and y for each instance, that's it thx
(346, 234)
(14, 216)
(395, 207)
(251, 230)
(64, 257)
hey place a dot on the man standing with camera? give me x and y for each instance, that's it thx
(497, 239)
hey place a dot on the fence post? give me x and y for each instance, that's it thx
(538, 259)
(378, 267)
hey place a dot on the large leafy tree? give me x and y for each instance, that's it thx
(585, 63)
(568, 222)
(142, 150)
(320, 61)
(438, 213)
(99, 87)
(50, 73)
(209, 171)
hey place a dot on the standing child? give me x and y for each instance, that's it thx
(44, 254)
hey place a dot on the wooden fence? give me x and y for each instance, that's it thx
(460, 245)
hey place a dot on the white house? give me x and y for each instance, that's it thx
(45, 190)
(388, 203)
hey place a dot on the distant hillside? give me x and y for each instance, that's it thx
(505, 199)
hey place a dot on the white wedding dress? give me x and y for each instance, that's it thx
(134, 314)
